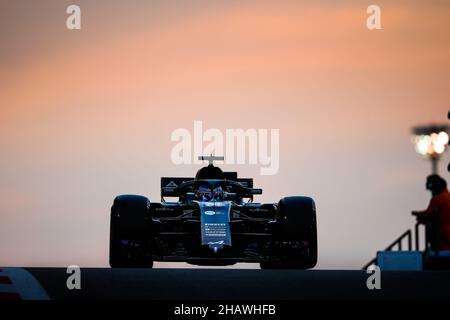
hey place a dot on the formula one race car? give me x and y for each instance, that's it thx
(210, 224)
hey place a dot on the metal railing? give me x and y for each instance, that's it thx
(430, 238)
(399, 244)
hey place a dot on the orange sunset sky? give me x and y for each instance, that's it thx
(86, 115)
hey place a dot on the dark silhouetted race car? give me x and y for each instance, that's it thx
(214, 222)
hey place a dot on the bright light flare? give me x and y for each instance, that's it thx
(442, 138)
(431, 145)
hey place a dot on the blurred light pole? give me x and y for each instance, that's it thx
(431, 142)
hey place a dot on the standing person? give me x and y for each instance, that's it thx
(438, 212)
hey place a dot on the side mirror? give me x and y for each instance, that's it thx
(255, 191)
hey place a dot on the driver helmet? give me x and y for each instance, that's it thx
(205, 194)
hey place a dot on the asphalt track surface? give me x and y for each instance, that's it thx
(239, 284)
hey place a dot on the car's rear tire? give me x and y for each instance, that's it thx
(130, 233)
(297, 220)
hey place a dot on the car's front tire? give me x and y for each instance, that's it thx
(130, 233)
(297, 224)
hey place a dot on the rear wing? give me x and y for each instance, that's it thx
(169, 185)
